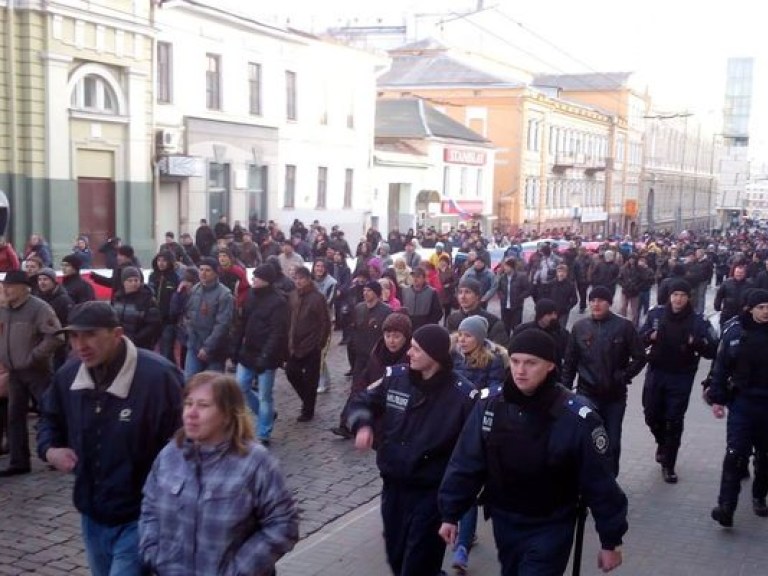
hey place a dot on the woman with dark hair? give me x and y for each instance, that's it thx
(215, 501)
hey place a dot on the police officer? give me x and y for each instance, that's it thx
(739, 382)
(535, 450)
(677, 337)
(423, 408)
(606, 352)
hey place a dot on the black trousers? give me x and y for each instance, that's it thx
(411, 523)
(745, 428)
(665, 402)
(303, 374)
(24, 386)
(512, 318)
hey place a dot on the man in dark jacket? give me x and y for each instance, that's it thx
(125, 257)
(309, 331)
(677, 337)
(48, 290)
(513, 287)
(164, 281)
(78, 289)
(606, 272)
(730, 296)
(606, 353)
(547, 319)
(535, 451)
(367, 321)
(468, 296)
(422, 408)
(205, 239)
(261, 343)
(421, 300)
(105, 418)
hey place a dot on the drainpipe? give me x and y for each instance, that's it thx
(13, 132)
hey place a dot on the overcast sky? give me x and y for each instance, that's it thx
(680, 48)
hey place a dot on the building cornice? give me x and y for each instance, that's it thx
(95, 14)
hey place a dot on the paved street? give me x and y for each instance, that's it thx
(670, 529)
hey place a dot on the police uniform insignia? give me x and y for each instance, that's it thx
(388, 371)
(376, 384)
(584, 411)
(487, 420)
(600, 440)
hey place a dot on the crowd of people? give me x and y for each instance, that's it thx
(161, 399)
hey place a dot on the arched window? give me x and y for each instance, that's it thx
(93, 94)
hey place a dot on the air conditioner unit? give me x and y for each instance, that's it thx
(167, 140)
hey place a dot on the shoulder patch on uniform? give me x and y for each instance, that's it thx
(396, 370)
(600, 439)
(376, 384)
(491, 391)
(578, 406)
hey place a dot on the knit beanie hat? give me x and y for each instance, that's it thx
(265, 272)
(398, 322)
(471, 284)
(130, 272)
(545, 306)
(757, 296)
(477, 326)
(213, 263)
(73, 260)
(679, 285)
(50, 272)
(535, 342)
(374, 286)
(601, 293)
(436, 342)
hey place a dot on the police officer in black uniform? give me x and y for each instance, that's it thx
(677, 337)
(422, 409)
(740, 382)
(536, 449)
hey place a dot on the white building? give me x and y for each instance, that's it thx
(258, 121)
(429, 170)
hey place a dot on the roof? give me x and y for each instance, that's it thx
(430, 63)
(607, 81)
(412, 118)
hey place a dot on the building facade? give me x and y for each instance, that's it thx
(256, 121)
(77, 114)
(429, 170)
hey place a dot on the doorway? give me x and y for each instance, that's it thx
(96, 213)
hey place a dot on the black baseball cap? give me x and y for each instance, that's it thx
(91, 316)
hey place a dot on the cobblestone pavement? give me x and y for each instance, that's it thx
(336, 489)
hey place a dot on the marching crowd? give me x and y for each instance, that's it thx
(456, 400)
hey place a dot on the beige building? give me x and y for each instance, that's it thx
(77, 115)
(569, 149)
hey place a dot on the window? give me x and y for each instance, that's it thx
(290, 186)
(93, 94)
(254, 88)
(447, 181)
(290, 95)
(213, 82)
(322, 186)
(164, 73)
(218, 190)
(348, 180)
(257, 191)
(479, 189)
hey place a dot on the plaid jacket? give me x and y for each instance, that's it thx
(211, 511)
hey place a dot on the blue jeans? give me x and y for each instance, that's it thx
(262, 405)
(112, 550)
(467, 528)
(193, 365)
(167, 342)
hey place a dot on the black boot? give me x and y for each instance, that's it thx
(723, 515)
(759, 507)
(669, 475)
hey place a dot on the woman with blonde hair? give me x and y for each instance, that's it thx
(215, 501)
(486, 365)
(402, 273)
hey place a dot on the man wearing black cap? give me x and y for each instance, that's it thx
(422, 409)
(547, 319)
(261, 344)
(28, 341)
(78, 289)
(208, 315)
(739, 383)
(534, 451)
(606, 352)
(677, 337)
(106, 416)
(421, 301)
(468, 297)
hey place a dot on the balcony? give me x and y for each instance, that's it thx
(563, 161)
(593, 165)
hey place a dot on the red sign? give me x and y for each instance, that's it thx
(459, 156)
(468, 207)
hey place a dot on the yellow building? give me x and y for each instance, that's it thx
(76, 115)
(566, 158)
